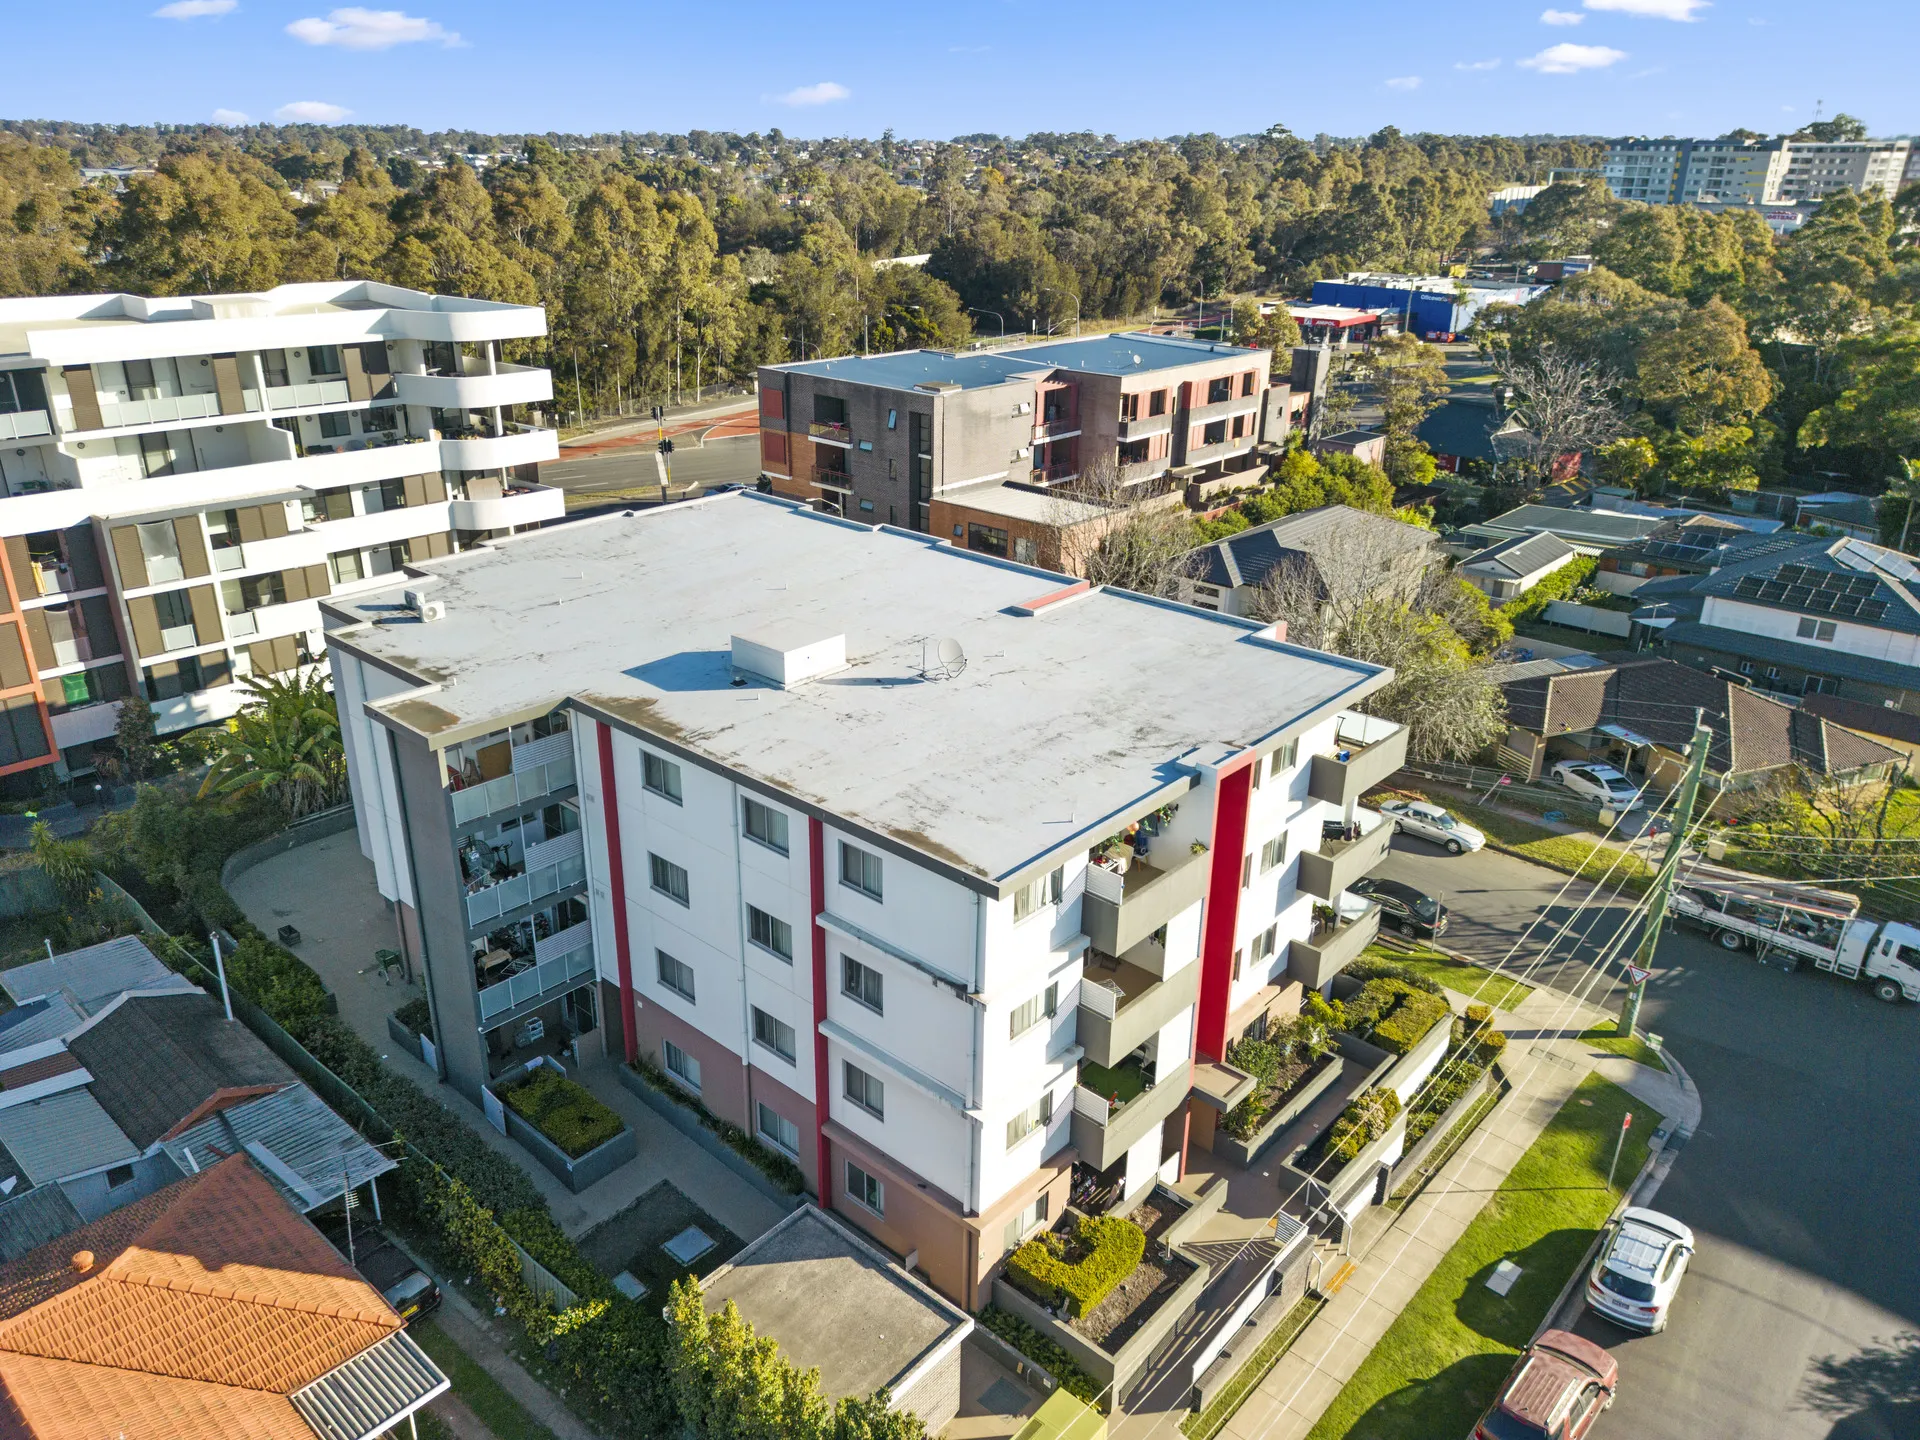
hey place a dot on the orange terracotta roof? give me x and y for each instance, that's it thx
(63, 1400)
(212, 1283)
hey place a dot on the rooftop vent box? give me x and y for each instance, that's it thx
(787, 657)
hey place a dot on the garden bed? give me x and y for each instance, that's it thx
(1312, 1080)
(565, 1127)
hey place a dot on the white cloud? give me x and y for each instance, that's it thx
(825, 93)
(1656, 9)
(1476, 65)
(312, 112)
(194, 9)
(356, 28)
(1404, 82)
(1561, 17)
(232, 117)
(1565, 59)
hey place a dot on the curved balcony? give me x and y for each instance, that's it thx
(521, 445)
(527, 505)
(510, 385)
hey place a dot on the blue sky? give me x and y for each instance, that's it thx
(837, 67)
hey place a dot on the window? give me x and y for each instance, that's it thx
(862, 983)
(1257, 773)
(336, 425)
(324, 360)
(764, 825)
(662, 777)
(160, 548)
(1130, 406)
(866, 1190)
(1284, 757)
(173, 611)
(1246, 383)
(1274, 852)
(770, 933)
(860, 870)
(1220, 388)
(223, 539)
(1246, 871)
(668, 878)
(1157, 403)
(1029, 1014)
(251, 592)
(119, 1175)
(682, 1066)
(773, 1033)
(987, 539)
(22, 736)
(676, 975)
(1034, 1117)
(777, 1130)
(1238, 955)
(1240, 425)
(1810, 629)
(1018, 1228)
(1025, 551)
(1214, 434)
(865, 1090)
(1263, 943)
(1038, 893)
(345, 566)
(893, 421)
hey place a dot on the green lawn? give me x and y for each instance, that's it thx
(1487, 986)
(1443, 1359)
(484, 1395)
(1570, 854)
(1604, 1037)
(1120, 1084)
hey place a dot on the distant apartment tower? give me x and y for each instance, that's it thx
(1778, 171)
(884, 438)
(183, 479)
(961, 928)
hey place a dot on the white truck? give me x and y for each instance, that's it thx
(1783, 923)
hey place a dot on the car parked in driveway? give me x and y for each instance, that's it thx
(1643, 1256)
(1599, 783)
(1410, 911)
(1554, 1392)
(1427, 821)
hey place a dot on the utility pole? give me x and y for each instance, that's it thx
(1642, 961)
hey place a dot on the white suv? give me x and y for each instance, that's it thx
(1643, 1255)
(1601, 784)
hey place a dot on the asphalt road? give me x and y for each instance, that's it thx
(718, 462)
(1800, 1316)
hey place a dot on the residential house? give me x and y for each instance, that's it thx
(1686, 545)
(1228, 573)
(1637, 713)
(1588, 531)
(207, 1308)
(1509, 568)
(939, 873)
(182, 478)
(1896, 729)
(1463, 429)
(1366, 446)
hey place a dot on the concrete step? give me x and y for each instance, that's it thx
(1330, 1284)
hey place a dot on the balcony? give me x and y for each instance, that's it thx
(1064, 428)
(1145, 426)
(158, 410)
(543, 979)
(832, 479)
(521, 445)
(1223, 409)
(489, 902)
(509, 385)
(1339, 862)
(520, 787)
(308, 396)
(833, 432)
(1219, 450)
(1331, 948)
(1366, 751)
(1123, 1006)
(523, 505)
(1054, 474)
(25, 425)
(1135, 472)
(1122, 909)
(1116, 1108)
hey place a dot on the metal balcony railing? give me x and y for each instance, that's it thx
(512, 789)
(523, 889)
(560, 972)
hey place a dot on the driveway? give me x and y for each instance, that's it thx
(1800, 1318)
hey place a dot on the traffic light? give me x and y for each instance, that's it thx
(658, 413)
(666, 447)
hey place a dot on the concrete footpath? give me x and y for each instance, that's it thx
(1546, 1065)
(477, 1337)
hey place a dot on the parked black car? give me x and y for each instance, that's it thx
(383, 1265)
(1406, 909)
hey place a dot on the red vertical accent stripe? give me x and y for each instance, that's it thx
(1223, 908)
(822, 1086)
(617, 876)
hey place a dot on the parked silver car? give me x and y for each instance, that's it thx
(1431, 822)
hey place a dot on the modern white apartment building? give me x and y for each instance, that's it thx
(1779, 171)
(185, 478)
(945, 875)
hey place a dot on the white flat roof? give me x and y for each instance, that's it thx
(1061, 720)
(998, 498)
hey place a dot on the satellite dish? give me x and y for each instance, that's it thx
(941, 659)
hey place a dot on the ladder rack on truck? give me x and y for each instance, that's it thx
(1801, 921)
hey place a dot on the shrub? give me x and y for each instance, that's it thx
(1113, 1246)
(1478, 1015)
(770, 1162)
(1492, 1043)
(1042, 1351)
(1364, 1121)
(1394, 1014)
(1372, 967)
(1258, 1058)
(564, 1111)
(416, 1016)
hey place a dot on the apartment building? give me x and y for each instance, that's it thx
(1779, 171)
(185, 478)
(881, 438)
(944, 875)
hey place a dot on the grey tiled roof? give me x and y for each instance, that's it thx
(1248, 557)
(1522, 555)
(33, 1218)
(1817, 659)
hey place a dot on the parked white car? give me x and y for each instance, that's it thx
(1643, 1256)
(1601, 784)
(1432, 822)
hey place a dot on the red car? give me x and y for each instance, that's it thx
(1555, 1392)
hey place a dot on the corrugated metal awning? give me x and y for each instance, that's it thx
(372, 1392)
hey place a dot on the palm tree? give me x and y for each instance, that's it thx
(285, 744)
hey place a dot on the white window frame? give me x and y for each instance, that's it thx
(665, 965)
(1032, 1011)
(658, 866)
(848, 968)
(668, 1052)
(660, 776)
(772, 1137)
(857, 1190)
(748, 807)
(870, 869)
(775, 1025)
(754, 916)
(1036, 1117)
(867, 1079)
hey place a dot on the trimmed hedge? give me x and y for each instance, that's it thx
(1114, 1246)
(768, 1161)
(1394, 1014)
(1372, 967)
(1366, 1118)
(1042, 1351)
(563, 1110)
(416, 1016)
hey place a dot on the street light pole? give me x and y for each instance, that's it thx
(972, 310)
(1642, 963)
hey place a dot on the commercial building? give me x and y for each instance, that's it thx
(1426, 305)
(183, 479)
(881, 438)
(943, 875)
(1777, 171)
